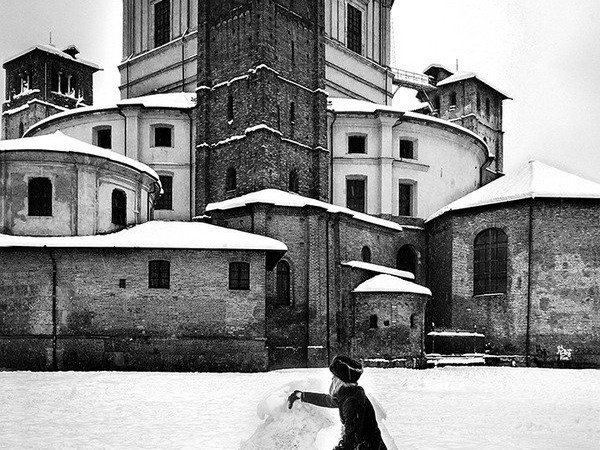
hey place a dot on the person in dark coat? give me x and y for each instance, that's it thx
(361, 431)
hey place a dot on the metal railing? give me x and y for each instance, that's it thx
(412, 79)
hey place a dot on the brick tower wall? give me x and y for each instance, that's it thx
(261, 107)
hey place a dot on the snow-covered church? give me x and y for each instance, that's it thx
(255, 201)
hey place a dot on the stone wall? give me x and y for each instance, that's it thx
(196, 324)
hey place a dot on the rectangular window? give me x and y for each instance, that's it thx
(405, 196)
(357, 144)
(406, 149)
(165, 201)
(163, 137)
(104, 138)
(159, 274)
(355, 195)
(162, 22)
(40, 197)
(354, 29)
(239, 276)
(122, 283)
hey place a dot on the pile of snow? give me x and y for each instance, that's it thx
(305, 426)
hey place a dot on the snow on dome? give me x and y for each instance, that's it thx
(389, 283)
(533, 180)
(175, 100)
(59, 142)
(290, 199)
(156, 234)
(55, 51)
(305, 426)
(461, 75)
(379, 269)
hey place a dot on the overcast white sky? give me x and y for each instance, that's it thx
(544, 53)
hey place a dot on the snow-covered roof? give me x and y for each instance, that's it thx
(54, 50)
(156, 234)
(533, 180)
(459, 76)
(59, 142)
(175, 100)
(290, 199)
(349, 106)
(455, 333)
(389, 283)
(379, 269)
(437, 66)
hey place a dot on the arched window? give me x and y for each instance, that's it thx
(490, 261)
(230, 108)
(283, 283)
(366, 254)
(231, 180)
(294, 185)
(39, 197)
(406, 259)
(119, 207)
(373, 321)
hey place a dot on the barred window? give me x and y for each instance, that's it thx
(354, 29)
(159, 274)
(119, 207)
(490, 262)
(162, 22)
(165, 201)
(40, 197)
(283, 283)
(239, 276)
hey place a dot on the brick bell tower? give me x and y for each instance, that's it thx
(261, 112)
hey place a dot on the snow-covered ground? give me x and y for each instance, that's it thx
(442, 408)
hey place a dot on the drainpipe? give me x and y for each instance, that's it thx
(54, 312)
(529, 265)
(327, 281)
(192, 147)
(183, 57)
(331, 158)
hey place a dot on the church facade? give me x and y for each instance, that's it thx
(272, 120)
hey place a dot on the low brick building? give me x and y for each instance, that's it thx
(388, 318)
(309, 294)
(158, 296)
(519, 260)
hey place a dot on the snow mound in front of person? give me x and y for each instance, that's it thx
(305, 426)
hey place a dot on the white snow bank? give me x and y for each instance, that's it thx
(305, 426)
(389, 283)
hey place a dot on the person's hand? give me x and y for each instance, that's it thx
(293, 397)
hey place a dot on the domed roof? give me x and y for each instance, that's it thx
(534, 180)
(59, 142)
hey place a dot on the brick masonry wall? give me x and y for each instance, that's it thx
(318, 242)
(196, 324)
(393, 337)
(565, 294)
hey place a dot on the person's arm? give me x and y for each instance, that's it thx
(354, 415)
(324, 400)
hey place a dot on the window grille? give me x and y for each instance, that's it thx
(162, 23)
(159, 274)
(354, 29)
(490, 262)
(239, 276)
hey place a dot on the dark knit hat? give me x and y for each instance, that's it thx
(346, 369)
